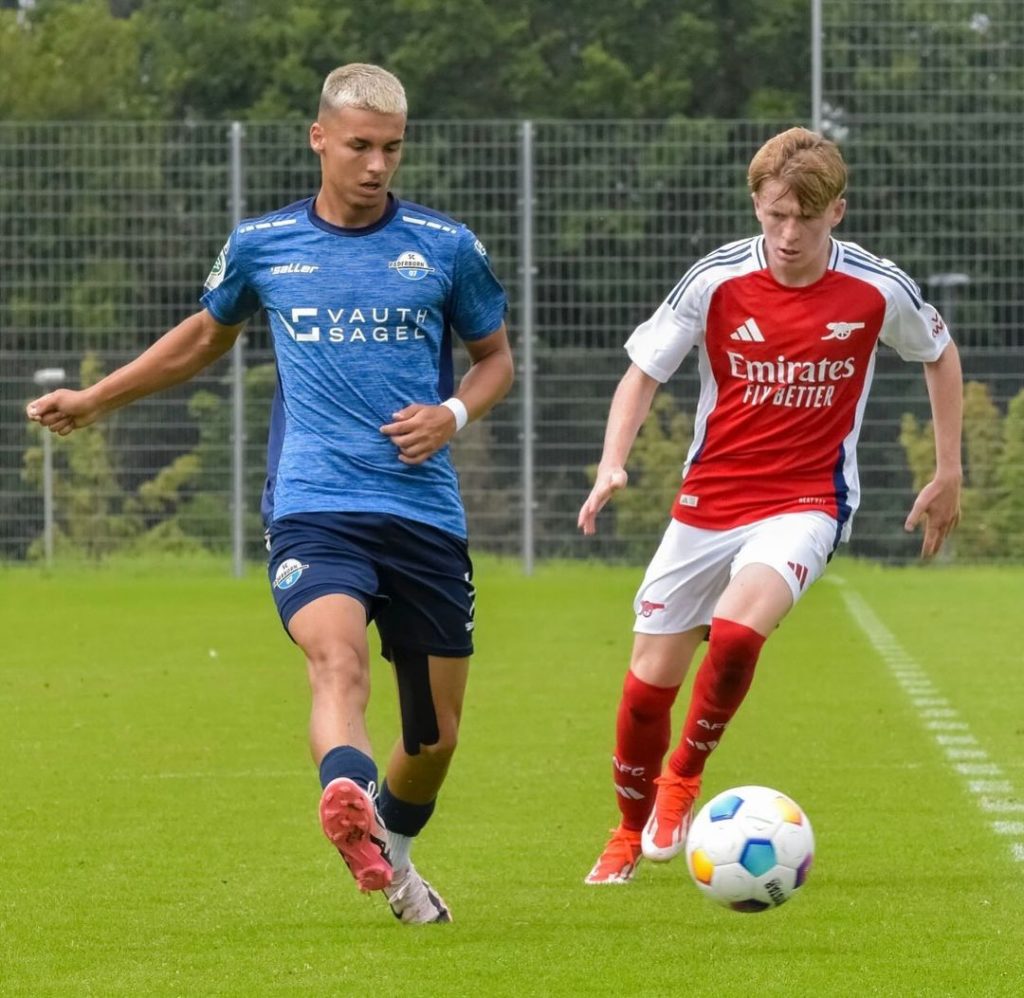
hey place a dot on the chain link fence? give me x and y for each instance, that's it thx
(110, 229)
(927, 101)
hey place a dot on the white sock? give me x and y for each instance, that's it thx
(398, 849)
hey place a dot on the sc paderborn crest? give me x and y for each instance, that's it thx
(288, 573)
(411, 266)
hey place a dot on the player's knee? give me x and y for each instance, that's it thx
(339, 671)
(734, 649)
(645, 701)
(441, 750)
(422, 729)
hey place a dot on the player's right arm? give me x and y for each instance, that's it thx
(656, 348)
(630, 406)
(178, 355)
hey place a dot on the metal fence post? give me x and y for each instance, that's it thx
(237, 134)
(48, 378)
(526, 317)
(816, 65)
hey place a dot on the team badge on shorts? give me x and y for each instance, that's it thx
(288, 573)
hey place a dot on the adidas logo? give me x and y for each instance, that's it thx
(748, 333)
(800, 571)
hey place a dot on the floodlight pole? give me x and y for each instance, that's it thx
(48, 378)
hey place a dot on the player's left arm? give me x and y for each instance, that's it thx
(938, 503)
(420, 431)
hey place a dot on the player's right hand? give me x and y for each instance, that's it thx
(608, 482)
(62, 411)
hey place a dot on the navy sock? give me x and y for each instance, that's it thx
(400, 816)
(346, 760)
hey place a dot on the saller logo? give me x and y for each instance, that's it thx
(294, 268)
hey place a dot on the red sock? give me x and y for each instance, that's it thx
(643, 730)
(722, 682)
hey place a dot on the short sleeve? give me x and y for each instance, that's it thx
(913, 328)
(478, 302)
(659, 345)
(228, 296)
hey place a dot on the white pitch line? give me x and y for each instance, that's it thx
(995, 795)
(978, 769)
(990, 786)
(999, 805)
(1008, 827)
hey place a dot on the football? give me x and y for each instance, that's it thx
(750, 848)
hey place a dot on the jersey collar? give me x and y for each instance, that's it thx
(337, 230)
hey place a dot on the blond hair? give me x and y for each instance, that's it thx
(363, 86)
(810, 166)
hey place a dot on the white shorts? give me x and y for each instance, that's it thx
(692, 567)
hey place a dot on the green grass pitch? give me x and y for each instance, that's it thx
(158, 830)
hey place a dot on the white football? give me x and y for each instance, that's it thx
(750, 848)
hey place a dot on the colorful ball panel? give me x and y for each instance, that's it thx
(789, 811)
(758, 857)
(803, 869)
(724, 807)
(701, 866)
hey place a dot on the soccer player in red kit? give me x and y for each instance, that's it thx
(786, 326)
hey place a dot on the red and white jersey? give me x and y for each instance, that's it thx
(784, 377)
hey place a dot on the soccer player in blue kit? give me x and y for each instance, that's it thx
(363, 292)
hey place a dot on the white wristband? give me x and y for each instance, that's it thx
(459, 411)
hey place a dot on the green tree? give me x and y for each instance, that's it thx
(261, 60)
(992, 501)
(188, 503)
(70, 61)
(90, 515)
(1009, 518)
(655, 464)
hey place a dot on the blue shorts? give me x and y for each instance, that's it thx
(415, 581)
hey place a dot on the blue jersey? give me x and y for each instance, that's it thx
(362, 323)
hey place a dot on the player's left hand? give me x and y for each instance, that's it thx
(420, 431)
(938, 505)
(606, 484)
